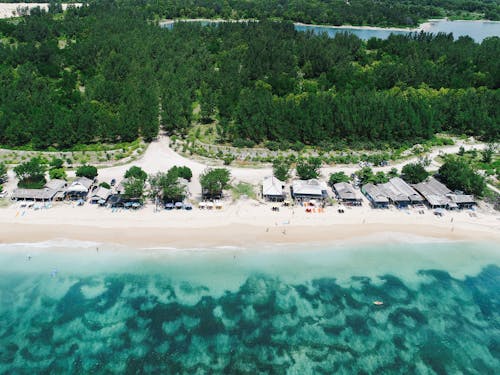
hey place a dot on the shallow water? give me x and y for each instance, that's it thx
(281, 309)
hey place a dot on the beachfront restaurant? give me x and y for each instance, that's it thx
(463, 200)
(273, 189)
(59, 186)
(346, 194)
(396, 197)
(40, 195)
(435, 193)
(306, 190)
(100, 196)
(404, 188)
(79, 188)
(376, 197)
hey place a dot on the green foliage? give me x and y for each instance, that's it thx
(308, 168)
(414, 173)
(105, 185)
(488, 152)
(3, 173)
(228, 159)
(281, 169)
(457, 174)
(166, 186)
(181, 172)
(136, 172)
(31, 173)
(133, 188)
(56, 163)
(57, 173)
(88, 171)
(337, 177)
(213, 181)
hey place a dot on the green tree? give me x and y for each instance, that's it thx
(281, 169)
(308, 168)
(365, 175)
(414, 173)
(31, 174)
(166, 186)
(88, 171)
(56, 163)
(213, 181)
(57, 173)
(133, 188)
(337, 177)
(488, 152)
(3, 173)
(136, 172)
(457, 174)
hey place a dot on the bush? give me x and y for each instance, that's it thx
(136, 172)
(105, 185)
(242, 143)
(272, 145)
(414, 173)
(337, 177)
(56, 163)
(57, 173)
(457, 174)
(88, 171)
(281, 169)
(181, 172)
(308, 168)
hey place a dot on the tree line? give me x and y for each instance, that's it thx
(106, 72)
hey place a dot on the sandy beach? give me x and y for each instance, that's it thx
(243, 223)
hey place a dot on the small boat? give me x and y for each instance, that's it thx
(378, 303)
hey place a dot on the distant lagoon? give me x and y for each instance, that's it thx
(477, 30)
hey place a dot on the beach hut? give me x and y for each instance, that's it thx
(347, 194)
(273, 189)
(59, 186)
(43, 195)
(435, 193)
(376, 197)
(100, 195)
(305, 190)
(79, 188)
(404, 188)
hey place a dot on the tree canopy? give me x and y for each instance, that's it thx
(88, 171)
(136, 172)
(308, 168)
(457, 174)
(213, 181)
(414, 173)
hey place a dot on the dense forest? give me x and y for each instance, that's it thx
(106, 72)
(333, 12)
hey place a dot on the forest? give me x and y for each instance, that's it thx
(333, 12)
(107, 73)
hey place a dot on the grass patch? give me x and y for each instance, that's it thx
(243, 188)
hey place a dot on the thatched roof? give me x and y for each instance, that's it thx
(33, 194)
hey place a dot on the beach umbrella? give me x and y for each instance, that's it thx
(202, 205)
(169, 206)
(210, 205)
(178, 205)
(136, 205)
(101, 202)
(188, 206)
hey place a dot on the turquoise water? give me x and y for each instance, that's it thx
(273, 310)
(477, 30)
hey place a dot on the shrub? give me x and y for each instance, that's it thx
(337, 177)
(414, 173)
(308, 168)
(136, 172)
(88, 171)
(105, 185)
(57, 173)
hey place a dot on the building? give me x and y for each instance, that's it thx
(100, 195)
(273, 189)
(79, 188)
(395, 196)
(462, 200)
(43, 195)
(403, 187)
(435, 193)
(59, 186)
(309, 189)
(347, 194)
(376, 197)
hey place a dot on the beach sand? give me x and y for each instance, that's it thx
(244, 223)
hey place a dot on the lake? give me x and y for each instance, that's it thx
(477, 30)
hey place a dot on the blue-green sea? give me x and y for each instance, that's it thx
(84, 308)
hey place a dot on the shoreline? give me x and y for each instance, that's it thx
(202, 229)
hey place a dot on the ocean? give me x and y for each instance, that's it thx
(85, 308)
